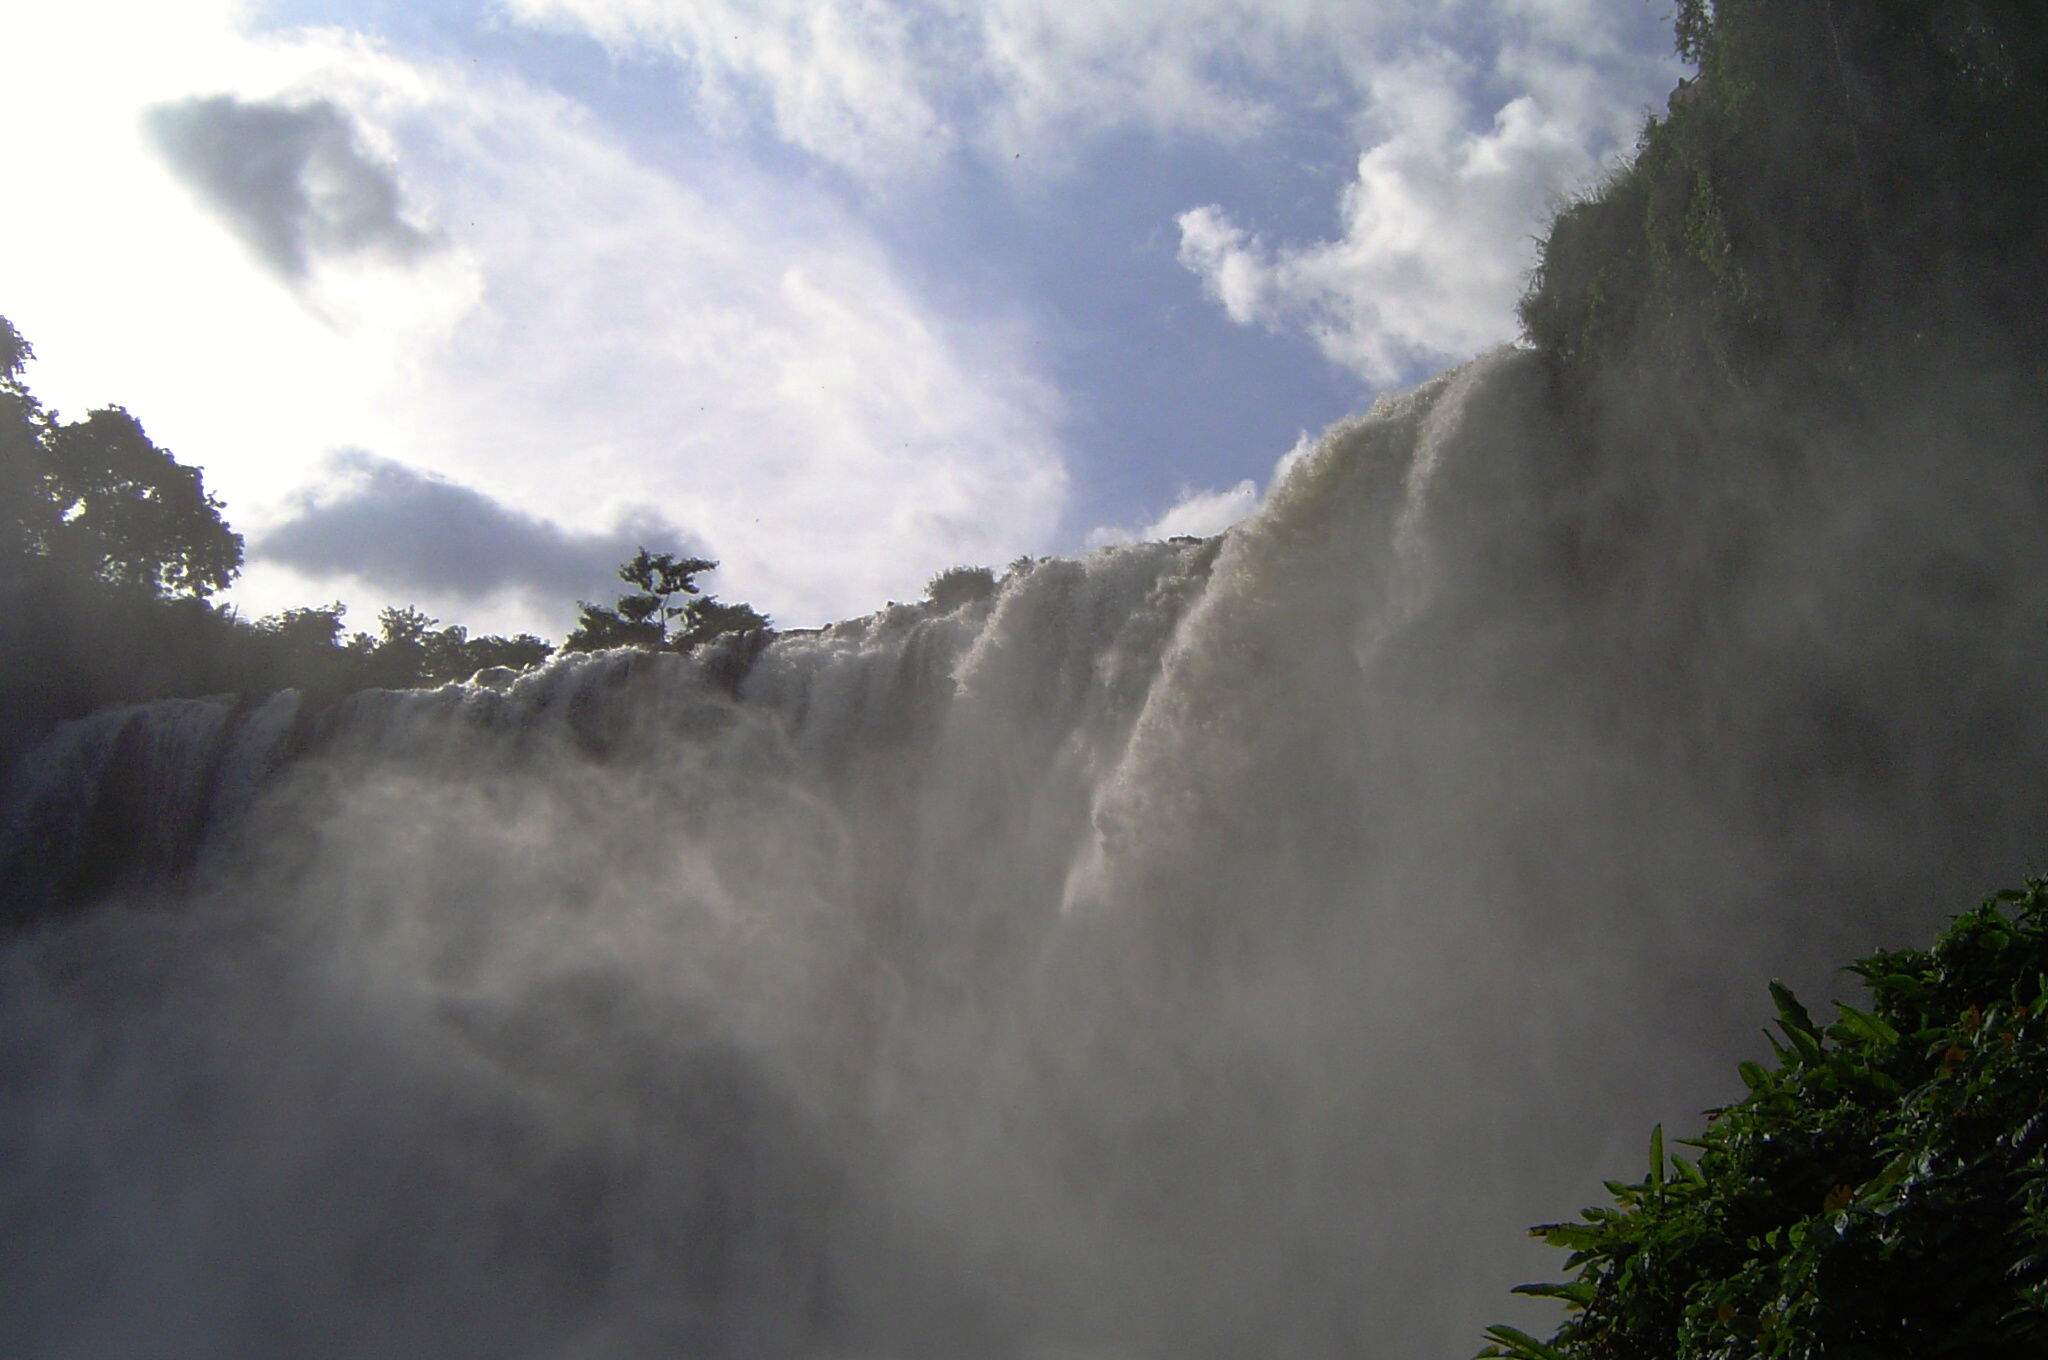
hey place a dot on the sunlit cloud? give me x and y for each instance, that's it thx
(589, 336)
(273, 244)
(1193, 514)
(1438, 224)
(882, 88)
(1472, 121)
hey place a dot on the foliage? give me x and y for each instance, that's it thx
(100, 500)
(21, 421)
(667, 610)
(1840, 180)
(108, 549)
(128, 512)
(957, 586)
(1882, 1191)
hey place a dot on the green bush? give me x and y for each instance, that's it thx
(1882, 1191)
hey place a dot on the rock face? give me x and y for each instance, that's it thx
(1201, 949)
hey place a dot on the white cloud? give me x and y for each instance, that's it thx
(845, 79)
(883, 87)
(589, 336)
(1438, 226)
(1236, 269)
(1473, 119)
(747, 360)
(1195, 514)
(588, 333)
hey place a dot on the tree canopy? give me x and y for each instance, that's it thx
(666, 610)
(96, 498)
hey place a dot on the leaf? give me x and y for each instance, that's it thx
(1790, 1013)
(1575, 1236)
(1577, 1292)
(1866, 1025)
(1657, 1157)
(1523, 1345)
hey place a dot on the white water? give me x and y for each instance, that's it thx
(1195, 951)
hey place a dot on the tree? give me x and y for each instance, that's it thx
(96, 500)
(651, 616)
(310, 628)
(642, 618)
(706, 618)
(599, 629)
(109, 548)
(304, 648)
(25, 517)
(125, 511)
(452, 654)
(483, 653)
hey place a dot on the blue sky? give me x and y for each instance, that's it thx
(457, 303)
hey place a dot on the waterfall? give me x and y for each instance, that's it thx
(1209, 949)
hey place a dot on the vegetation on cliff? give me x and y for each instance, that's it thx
(1845, 186)
(1826, 257)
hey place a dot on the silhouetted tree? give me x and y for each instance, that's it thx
(25, 518)
(109, 548)
(130, 513)
(452, 654)
(598, 628)
(706, 618)
(654, 616)
(306, 650)
(516, 652)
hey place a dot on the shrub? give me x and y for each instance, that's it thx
(1882, 1191)
(960, 585)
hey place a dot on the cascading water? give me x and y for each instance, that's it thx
(1210, 949)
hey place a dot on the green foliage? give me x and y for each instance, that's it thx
(666, 611)
(1840, 181)
(1882, 1191)
(960, 585)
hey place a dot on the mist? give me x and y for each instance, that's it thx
(1210, 948)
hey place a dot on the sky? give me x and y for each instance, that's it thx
(457, 304)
